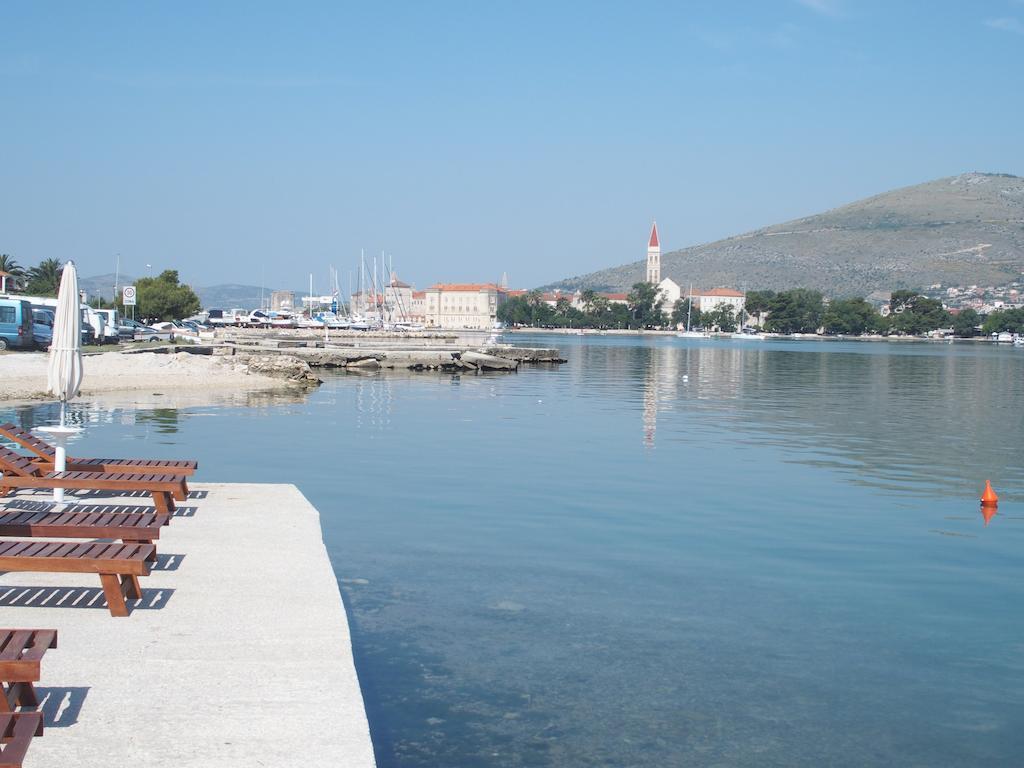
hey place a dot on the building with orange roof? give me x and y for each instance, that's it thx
(706, 301)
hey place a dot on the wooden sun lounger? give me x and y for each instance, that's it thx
(20, 472)
(45, 454)
(16, 732)
(118, 565)
(21, 651)
(129, 527)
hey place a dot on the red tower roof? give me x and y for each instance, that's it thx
(654, 236)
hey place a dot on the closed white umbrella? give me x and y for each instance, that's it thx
(64, 374)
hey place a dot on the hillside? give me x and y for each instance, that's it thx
(224, 296)
(960, 230)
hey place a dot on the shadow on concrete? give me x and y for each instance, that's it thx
(198, 494)
(27, 505)
(60, 706)
(167, 561)
(16, 596)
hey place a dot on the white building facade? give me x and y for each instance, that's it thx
(462, 305)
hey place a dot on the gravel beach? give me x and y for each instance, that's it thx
(23, 375)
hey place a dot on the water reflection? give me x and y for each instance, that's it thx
(798, 575)
(921, 422)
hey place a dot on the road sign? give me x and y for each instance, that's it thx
(128, 295)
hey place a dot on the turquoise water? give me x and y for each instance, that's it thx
(664, 552)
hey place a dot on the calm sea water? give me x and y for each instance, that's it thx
(665, 552)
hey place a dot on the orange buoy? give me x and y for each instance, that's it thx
(989, 496)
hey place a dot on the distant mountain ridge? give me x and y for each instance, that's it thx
(224, 296)
(959, 230)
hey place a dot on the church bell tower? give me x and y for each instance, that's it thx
(654, 256)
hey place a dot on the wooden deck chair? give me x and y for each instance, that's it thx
(16, 733)
(21, 652)
(21, 472)
(118, 565)
(45, 454)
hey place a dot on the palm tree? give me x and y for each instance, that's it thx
(44, 278)
(15, 271)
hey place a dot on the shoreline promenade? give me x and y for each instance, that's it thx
(239, 652)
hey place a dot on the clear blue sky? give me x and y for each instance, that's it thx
(239, 142)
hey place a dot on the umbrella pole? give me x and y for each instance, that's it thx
(60, 462)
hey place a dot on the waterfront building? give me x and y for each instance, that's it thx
(654, 256)
(418, 307)
(706, 301)
(282, 300)
(670, 292)
(397, 301)
(463, 305)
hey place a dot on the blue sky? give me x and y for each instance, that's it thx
(255, 142)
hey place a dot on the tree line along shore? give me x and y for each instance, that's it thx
(800, 310)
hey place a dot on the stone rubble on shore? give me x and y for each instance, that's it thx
(23, 374)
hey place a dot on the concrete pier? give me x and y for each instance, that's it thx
(238, 654)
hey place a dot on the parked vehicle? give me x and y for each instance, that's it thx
(42, 327)
(15, 324)
(111, 322)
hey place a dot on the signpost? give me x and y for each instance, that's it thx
(128, 298)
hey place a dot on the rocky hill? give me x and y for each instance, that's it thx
(961, 230)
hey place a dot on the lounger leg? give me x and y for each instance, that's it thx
(181, 493)
(112, 591)
(130, 587)
(21, 694)
(4, 491)
(163, 502)
(9, 698)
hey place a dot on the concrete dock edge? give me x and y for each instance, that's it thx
(239, 653)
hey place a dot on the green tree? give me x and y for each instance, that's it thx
(684, 308)
(14, 269)
(645, 306)
(722, 317)
(164, 298)
(587, 298)
(1011, 320)
(758, 301)
(849, 316)
(44, 278)
(797, 311)
(966, 322)
(914, 314)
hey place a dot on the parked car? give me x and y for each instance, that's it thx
(42, 327)
(15, 324)
(134, 330)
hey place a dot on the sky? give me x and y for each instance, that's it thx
(259, 142)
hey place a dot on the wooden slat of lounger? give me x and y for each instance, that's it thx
(47, 453)
(16, 732)
(95, 525)
(15, 464)
(97, 481)
(27, 440)
(14, 643)
(22, 651)
(83, 558)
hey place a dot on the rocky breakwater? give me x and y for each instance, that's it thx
(412, 360)
(287, 367)
(497, 358)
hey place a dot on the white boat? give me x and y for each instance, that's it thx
(1005, 337)
(689, 334)
(748, 334)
